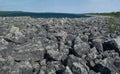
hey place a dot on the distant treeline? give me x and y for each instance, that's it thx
(10, 12)
(115, 14)
(41, 14)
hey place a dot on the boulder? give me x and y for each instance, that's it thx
(24, 68)
(112, 44)
(80, 48)
(15, 36)
(77, 65)
(36, 55)
(98, 44)
(108, 66)
(57, 54)
(67, 71)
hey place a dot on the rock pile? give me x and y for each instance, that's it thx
(58, 46)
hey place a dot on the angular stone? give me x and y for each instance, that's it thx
(102, 69)
(113, 44)
(61, 35)
(54, 67)
(15, 36)
(24, 68)
(67, 71)
(29, 55)
(84, 38)
(110, 45)
(54, 54)
(57, 55)
(77, 65)
(107, 66)
(81, 48)
(98, 44)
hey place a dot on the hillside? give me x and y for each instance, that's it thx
(40, 15)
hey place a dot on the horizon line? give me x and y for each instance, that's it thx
(57, 12)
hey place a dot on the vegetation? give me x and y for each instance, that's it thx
(113, 25)
(10, 12)
(114, 14)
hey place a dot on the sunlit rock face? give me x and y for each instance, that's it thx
(58, 46)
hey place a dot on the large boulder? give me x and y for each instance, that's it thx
(91, 57)
(108, 66)
(15, 36)
(67, 70)
(23, 68)
(80, 48)
(112, 44)
(53, 67)
(77, 65)
(34, 55)
(57, 54)
(98, 44)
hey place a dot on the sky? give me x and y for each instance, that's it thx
(61, 6)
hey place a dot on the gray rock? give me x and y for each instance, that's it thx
(58, 54)
(77, 65)
(24, 68)
(5, 70)
(102, 69)
(54, 54)
(15, 36)
(107, 66)
(117, 64)
(98, 44)
(84, 38)
(67, 71)
(112, 44)
(36, 55)
(81, 48)
(92, 72)
(91, 56)
(36, 68)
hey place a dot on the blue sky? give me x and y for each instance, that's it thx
(64, 6)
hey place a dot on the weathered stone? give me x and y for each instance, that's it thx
(37, 55)
(98, 44)
(81, 48)
(25, 68)
(84, 38)
(112, 44)
(54, 54)
(67, 71)
(15, 36)
(91, 56)
(77, 65)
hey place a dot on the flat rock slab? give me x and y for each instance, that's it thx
(29, 55)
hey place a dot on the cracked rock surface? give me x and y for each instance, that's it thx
(58, 46)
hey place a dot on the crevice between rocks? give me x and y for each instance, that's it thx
(98, 68)
(48, 58)
(111, 45)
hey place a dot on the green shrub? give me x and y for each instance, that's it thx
(113, 14)
(112, 21)
(113, 27)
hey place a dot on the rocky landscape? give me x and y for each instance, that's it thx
(58, 46)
